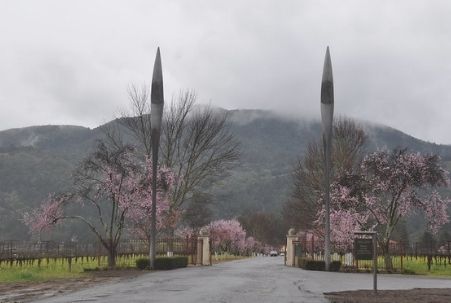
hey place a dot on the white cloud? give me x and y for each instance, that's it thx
(71, 61)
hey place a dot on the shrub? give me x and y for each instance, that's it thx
(309, 264)
(143, 263)
(335, 265)
(163, 262)
(170, 262)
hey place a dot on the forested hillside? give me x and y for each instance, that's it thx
(37, 160)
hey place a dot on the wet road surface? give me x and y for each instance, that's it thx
(260, 279)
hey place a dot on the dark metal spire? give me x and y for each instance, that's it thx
(157, 81)
(327, 83)
(327, 115)
(156, 114)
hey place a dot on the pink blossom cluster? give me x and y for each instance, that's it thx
(345, 217)
(133, 193)
(129, 192)
(436, 212)
(48, 213)
(228, 236)
(138, 200)
(390, 186)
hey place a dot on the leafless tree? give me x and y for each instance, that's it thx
(138, 119)
(198, 213)
(196, 142)
(347, 151)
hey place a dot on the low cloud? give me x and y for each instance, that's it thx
(71, 62)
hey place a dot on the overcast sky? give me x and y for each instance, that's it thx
(70, 62)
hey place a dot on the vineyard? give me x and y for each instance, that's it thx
(63, 257)
(406, 258)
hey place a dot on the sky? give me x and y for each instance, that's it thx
(71, 62)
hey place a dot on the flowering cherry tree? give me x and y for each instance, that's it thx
(229, 236)
(390, 186)
(347, 215)
(116, 188)
(48, 213)
(140, 205)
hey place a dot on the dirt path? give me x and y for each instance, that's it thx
(418, 295)
(30, 291)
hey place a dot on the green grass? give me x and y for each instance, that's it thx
(416, 266)
(56, 269)
(420, 268)
(34, 274)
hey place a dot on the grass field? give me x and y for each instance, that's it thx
(421, 268)
(405, 265)
(52, 269)
(416, 266)
(57, 268)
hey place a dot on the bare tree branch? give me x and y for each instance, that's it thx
(347, 152)
(196, 142)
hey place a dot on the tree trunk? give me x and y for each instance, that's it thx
(111, 257)
(387, 256)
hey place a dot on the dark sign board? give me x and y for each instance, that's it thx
(363, 249)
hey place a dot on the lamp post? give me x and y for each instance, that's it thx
(156, 114)
(327, 114)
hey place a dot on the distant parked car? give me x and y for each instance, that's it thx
(282, 254)
(273, 253)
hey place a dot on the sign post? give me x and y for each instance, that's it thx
(365, 248)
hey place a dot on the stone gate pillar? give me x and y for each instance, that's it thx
(203, 248)
(290, 247)
(199, 251)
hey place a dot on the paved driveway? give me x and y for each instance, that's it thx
(262, 279)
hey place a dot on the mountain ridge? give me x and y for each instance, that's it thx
(37, 160)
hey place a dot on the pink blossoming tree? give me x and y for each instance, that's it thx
(116, 188)
(48, 213)
(390, 186)
(229, 236)
(139, 210)
(226, 236)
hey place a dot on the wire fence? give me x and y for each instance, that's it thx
(401, 254)
(89, 254)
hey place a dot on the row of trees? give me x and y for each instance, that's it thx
(114, 181)
(229, 236)
(368, 192)
(266, 227)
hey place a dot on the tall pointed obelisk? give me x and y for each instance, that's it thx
(156, 115)
(327, 115)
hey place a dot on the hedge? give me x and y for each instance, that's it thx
(143, 263)
(163, 262)
(310, 264)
